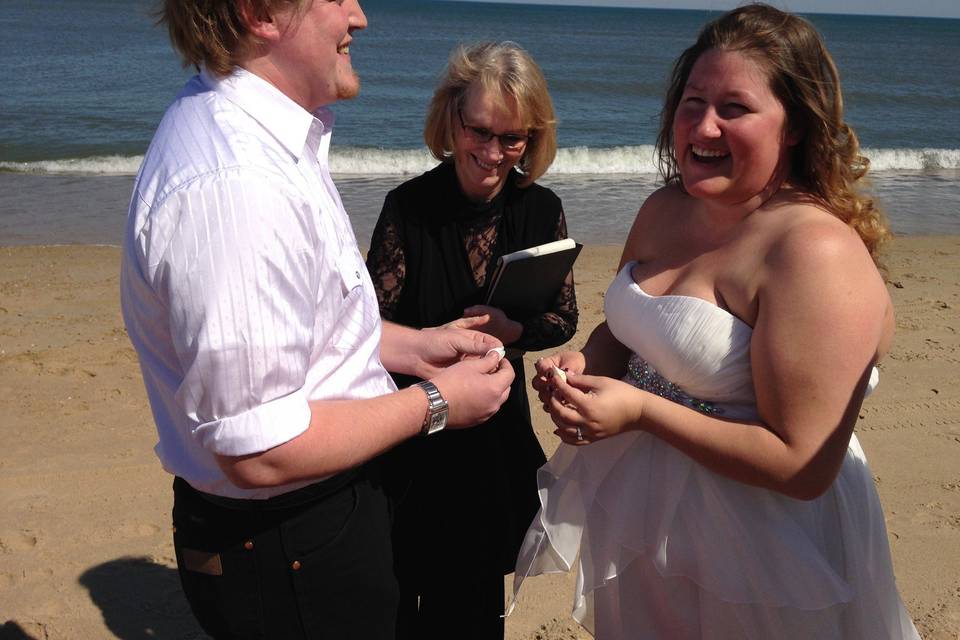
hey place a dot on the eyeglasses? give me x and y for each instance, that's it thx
(508, 141)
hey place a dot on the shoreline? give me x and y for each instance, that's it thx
(85, 547)
(588, 246)
(600, 208)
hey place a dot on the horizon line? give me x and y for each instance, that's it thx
(623, 4)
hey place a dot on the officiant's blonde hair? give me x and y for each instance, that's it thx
(510, 76)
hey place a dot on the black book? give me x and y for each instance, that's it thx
(527, 281)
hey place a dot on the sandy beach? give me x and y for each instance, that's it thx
(85, 544)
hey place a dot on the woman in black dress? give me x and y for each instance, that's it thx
(464, 499)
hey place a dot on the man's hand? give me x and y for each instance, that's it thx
(441, 347)
(474, 389)
(424, 353)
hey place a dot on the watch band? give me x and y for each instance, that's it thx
(437, 409)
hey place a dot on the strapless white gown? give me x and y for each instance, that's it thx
(670, 550)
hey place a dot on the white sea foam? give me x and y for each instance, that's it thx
(570, 161)
(912, 159)
(584, 160)
(94, 166)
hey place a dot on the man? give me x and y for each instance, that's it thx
(259, 335)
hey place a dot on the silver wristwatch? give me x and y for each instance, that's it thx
(437, 409)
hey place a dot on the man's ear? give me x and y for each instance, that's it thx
(261, 25)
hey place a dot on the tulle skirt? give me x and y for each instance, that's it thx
(670, 550)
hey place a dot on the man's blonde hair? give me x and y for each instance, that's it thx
(213, 33)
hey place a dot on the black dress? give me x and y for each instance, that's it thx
(463, 496)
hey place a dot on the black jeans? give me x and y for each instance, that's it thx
(467, 606)
(313, 563)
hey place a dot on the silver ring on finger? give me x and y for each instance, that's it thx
(579, 435)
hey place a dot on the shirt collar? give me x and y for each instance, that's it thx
(293, 127)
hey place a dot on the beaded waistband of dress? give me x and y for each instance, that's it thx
(643, 376)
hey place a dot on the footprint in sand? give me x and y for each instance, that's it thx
(11, 541)
(138, 530)
(935, 516)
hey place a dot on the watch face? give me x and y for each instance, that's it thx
(437, 411)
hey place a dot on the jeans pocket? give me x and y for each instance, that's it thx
(219, 578)
(345, 584)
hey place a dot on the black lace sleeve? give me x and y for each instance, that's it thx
(558, 325)
(386, 261)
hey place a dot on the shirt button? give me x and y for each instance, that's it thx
(296, 565)
(248, 545)
(357, 273)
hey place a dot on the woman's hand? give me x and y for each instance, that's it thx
(490, 320)
(566, 361)
(590, 408)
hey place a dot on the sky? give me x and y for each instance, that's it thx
(926, 8)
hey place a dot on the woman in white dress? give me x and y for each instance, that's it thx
(710, 484)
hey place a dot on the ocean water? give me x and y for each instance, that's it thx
(88, 80)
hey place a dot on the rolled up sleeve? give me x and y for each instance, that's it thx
(263, 427)
(241, 281)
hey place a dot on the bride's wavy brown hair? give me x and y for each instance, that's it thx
(826, 162)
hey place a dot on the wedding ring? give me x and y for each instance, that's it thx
(500, 351)
(579, 435)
